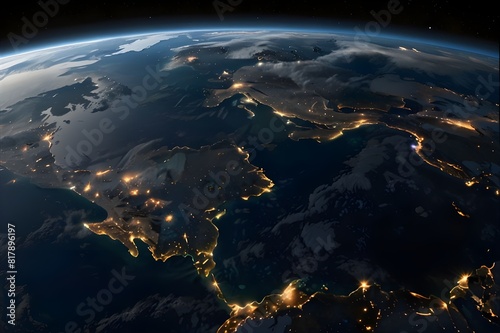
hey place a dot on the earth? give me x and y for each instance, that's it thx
(250, 181)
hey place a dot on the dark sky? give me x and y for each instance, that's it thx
(470, 22)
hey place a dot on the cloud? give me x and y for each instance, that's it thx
(363, 270)
(356, 178)
(139, 44)
(60, 228)
(318, 236)
(25, 323)
(252, 251)
(193, 314)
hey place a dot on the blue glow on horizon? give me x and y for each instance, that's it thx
(348, 31)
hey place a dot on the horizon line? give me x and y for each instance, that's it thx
(345, 31)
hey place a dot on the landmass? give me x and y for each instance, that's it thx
(471, 304)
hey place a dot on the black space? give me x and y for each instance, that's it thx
(470, 21)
